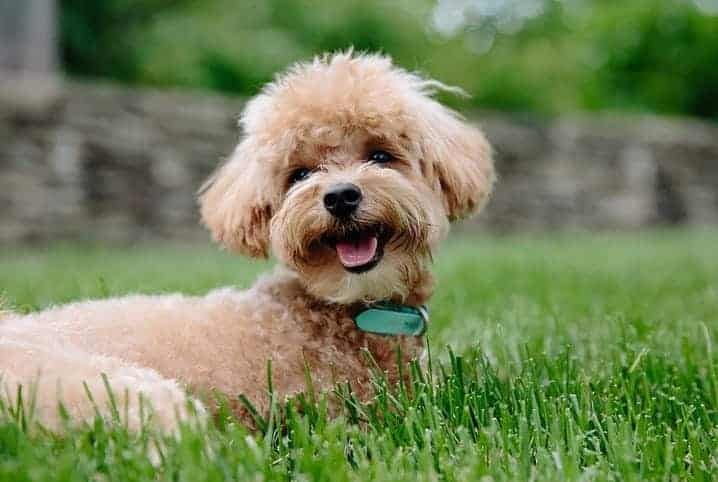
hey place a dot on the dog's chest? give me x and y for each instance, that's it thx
(277, 325)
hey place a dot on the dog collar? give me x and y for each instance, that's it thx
(384, 318)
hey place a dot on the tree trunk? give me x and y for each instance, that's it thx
(28, 56)
(28, 36)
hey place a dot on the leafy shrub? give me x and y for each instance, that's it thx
(645, 55)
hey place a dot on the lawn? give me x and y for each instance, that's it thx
(564, 357)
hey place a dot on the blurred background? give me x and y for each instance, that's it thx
(602, 113)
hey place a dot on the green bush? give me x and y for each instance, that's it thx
(101, 38)
(656, 56)
(644, 55)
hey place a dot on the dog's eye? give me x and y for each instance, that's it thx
(380, 157)
(299, 175)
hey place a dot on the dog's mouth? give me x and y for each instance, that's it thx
(359, 250)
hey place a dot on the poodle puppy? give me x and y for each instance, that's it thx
(349, 172)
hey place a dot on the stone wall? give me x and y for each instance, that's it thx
(605, 172)
(104, 162)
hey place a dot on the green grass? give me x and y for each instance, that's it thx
(573, 357)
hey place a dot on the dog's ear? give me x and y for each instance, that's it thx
(236, 204)
(456, 161)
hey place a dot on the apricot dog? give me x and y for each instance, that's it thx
(349, 172)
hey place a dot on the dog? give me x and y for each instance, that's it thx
(349, 172)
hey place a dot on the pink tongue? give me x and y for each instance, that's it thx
(357, 253)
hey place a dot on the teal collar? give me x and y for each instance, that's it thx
(384, 318)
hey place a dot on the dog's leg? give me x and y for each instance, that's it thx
(75, 379)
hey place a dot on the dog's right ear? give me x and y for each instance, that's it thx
(236, 205)
(457, 161)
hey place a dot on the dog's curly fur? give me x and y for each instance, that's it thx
(325, 116)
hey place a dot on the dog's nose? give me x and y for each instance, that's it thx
(342, 199)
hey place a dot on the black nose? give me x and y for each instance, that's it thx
(342, 199)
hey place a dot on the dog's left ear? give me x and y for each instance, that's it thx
(456, 162)
(236, 203)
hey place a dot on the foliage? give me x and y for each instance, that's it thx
(574, 358)
(655, 56)
(99, 38)
(645, 55)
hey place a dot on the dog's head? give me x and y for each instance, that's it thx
(349, 172)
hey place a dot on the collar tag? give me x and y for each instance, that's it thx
(385, 318)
